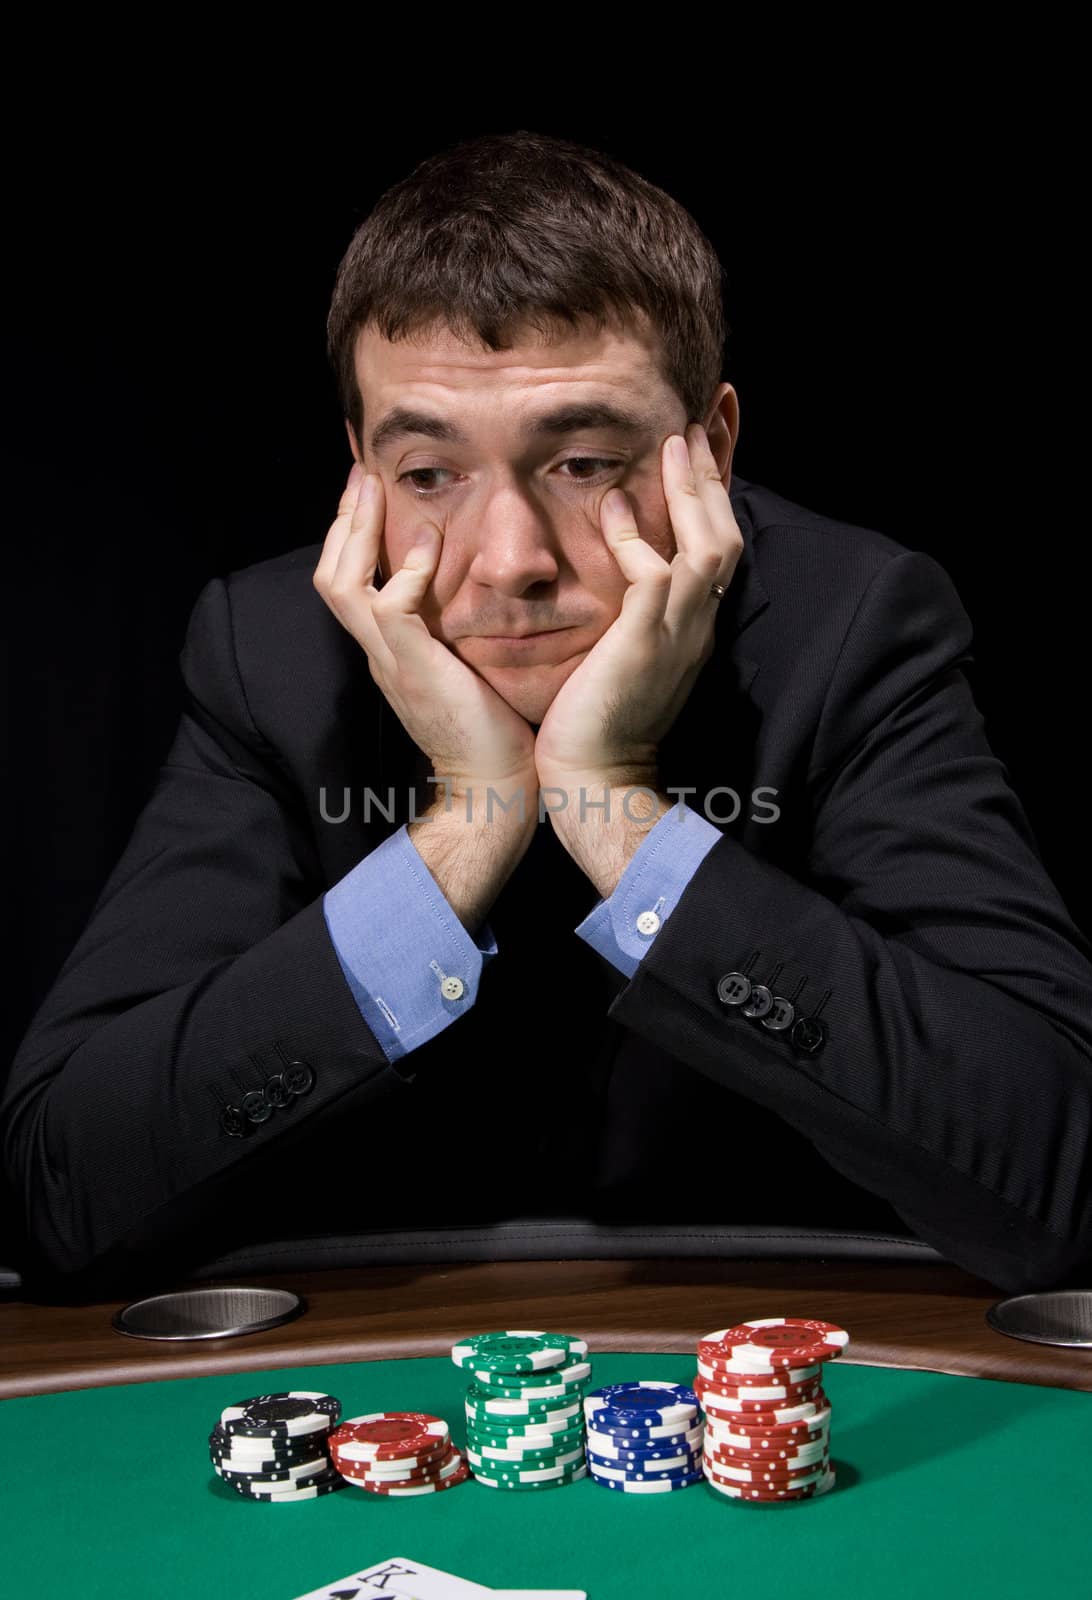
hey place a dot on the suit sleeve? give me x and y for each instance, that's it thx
(206, 969)
(955, 1075)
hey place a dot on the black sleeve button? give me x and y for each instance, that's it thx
(298, 1077)
(233, 1122)
(256, 1107)
(760, 1003)
(809, 1035)
(733, 989)
(780, 1016)
(277, 1092)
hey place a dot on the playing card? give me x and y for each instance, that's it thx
(401, 1577)
(412, 1580)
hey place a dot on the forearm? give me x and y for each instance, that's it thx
(472, 844)
(963, 1103)
(111, 1128)
(603, 824)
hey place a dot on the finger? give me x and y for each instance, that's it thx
(644, 602)
(339, 528)
(718, 505)
(707, 543)
(350, 590)
(396, 612)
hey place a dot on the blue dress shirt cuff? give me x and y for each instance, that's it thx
(411, 965)
(623, 926)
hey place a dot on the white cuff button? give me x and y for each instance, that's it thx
(452, 988)
(648, 922)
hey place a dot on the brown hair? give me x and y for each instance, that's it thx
(513, 230)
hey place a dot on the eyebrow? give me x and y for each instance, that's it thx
(402, 420)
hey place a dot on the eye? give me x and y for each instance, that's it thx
(424, 493)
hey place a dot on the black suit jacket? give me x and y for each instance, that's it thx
(900, 886)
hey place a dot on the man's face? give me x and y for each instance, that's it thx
(518, 507)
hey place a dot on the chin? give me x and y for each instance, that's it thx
(530, 693)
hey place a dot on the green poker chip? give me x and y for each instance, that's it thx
(488, 1427)
(518, 1352)
(523, 1466)
(558, 1444)
(557, 1480)
(570, 1380)
(519, 1409)
(525, 1425)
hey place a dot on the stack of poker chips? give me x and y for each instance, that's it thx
(644, 1438)
(398, 1453)
(274, 1446)
(767, 1419)
(524, 1422)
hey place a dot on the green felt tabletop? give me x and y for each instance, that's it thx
(946, 1487)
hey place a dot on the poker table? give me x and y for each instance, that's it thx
(961, 1455)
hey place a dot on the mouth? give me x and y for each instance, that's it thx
(517, 638)
(523, 645)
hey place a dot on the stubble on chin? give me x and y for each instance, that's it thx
(532, 694)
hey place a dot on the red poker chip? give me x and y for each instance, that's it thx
(773, 1382)
(723, 1433)
(769, 1484)
(767, 1480)
(389, 1468)
(721, 1378)
(443, 1465)
(752, 1494)
(770, 1411)
(765, 1412)
(387, 1435)
(742, 1427)
(429, 1486)
(772, 1460)
(782, 1397)
(717, 1435)
(775, 1392)
(775, 1342)
(357, 1461)
(761, 1442)
(744, 1378)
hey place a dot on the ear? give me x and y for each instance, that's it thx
(722, 429)
(353, 446)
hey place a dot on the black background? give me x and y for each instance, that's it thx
(900, 244)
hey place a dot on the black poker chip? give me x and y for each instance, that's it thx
(300, 1448)
(280, 1482)
(284, 1476)
(284, 1415)
(309, 1489)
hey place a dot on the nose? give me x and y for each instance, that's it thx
(514, 544)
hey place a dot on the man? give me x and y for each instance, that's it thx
(718, 906)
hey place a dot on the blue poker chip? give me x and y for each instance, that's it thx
(658, 1486)
(649, 1405)
(629, 1449)
(644, 1471)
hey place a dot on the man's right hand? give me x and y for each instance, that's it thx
(470, 735)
